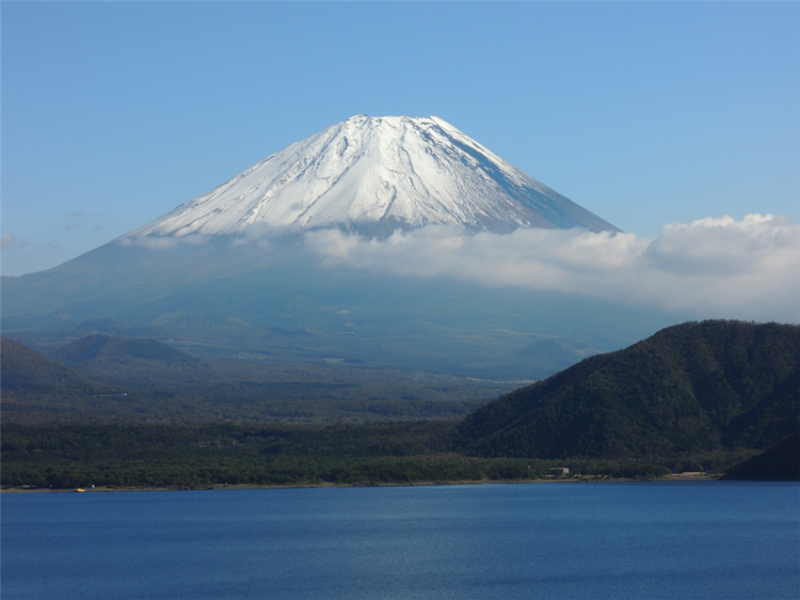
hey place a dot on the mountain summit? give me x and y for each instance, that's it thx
(234, 294)
(375, 174)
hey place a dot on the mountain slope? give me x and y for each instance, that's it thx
(203, 276)
(218, 296)
(26, 371)
(779, 463)
(377, 174)
(118, 348)
(692, 387)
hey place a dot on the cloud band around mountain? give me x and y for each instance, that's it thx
(748, 269)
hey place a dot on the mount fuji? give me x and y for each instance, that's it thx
(375, 174)
(231, 273)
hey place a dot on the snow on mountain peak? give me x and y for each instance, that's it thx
(377, 174)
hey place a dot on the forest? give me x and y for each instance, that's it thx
(713, 396)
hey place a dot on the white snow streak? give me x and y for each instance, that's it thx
(414, 171)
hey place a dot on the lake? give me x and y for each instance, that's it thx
(660, 540)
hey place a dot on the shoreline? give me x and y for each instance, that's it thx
(102, 489)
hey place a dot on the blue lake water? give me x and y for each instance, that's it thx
(706, 540)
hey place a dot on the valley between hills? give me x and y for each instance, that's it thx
(123, 413)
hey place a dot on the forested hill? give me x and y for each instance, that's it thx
(25, 371)
(689, 388)
(99, 346)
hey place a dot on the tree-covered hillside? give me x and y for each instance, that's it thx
(689, 388)
(25, 371)
(114, 347)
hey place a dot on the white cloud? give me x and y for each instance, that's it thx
(154, 243)
(748, 269)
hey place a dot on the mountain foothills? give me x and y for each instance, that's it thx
(98, 346)
(113, 379)
(26, 372)
(233, 273)
(721, 395)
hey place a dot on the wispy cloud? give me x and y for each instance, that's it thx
(746, 269)
(11, 241)
(83, 219)
(162, 243)
(154, 243)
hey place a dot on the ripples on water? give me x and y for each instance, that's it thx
(672, 541)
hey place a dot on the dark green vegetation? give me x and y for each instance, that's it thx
(121, 380)
(201, 456)
(693, 397)
(779, 463)
(693, 388)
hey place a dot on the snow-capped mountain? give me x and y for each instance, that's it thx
(229, 293)
(377, 174)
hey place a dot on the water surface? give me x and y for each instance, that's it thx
(699, 540)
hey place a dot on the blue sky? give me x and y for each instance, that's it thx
(646, 114)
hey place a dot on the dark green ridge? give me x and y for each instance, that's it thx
(695, 387)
